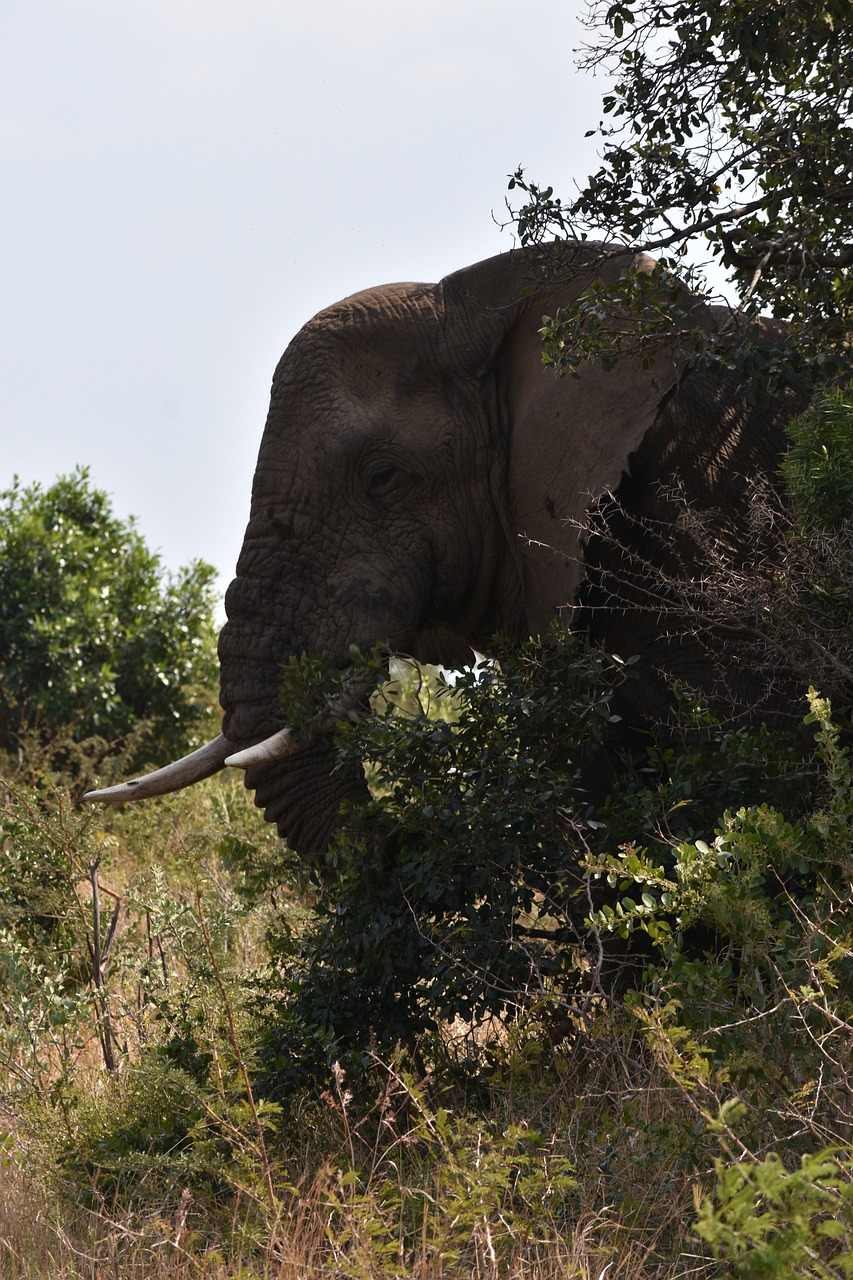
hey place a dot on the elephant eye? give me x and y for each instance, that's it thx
(383, 481)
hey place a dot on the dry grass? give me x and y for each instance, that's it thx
(530, 1161)
(407, 1187)
(37, 1244)
(416, 1184)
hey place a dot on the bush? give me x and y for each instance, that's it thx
(462, 890)
(818, 470)
(94, 636)
(457, 891)
(772, 1223)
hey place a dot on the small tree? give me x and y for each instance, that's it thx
(728, 131)
(94, 637)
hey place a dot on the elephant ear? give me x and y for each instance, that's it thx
(568, 439)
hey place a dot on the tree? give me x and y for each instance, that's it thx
(728, 128)
(94, 637)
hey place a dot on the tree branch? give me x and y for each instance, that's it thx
(766, 253)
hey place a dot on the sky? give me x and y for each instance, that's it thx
(186, 182)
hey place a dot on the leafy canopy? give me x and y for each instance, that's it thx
(93, 634)
(727, 132)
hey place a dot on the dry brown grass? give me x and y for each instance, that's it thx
(417, 1184)
(407, 1187)
(37, 1244)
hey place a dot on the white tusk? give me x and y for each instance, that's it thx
(280, 745)
(199, 764)
(276, 747)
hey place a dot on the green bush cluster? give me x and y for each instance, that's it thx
(769, 1221)
(457, 890)
(94, 637)
(818, 469)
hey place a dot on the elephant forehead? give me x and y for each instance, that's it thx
(361, 366)
(394, 334)
(389, 307)
(360, 391)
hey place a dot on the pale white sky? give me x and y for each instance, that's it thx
(185, 182)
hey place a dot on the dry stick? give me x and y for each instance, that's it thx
(232, 1036)
(105, 1025)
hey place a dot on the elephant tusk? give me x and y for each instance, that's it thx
(199, 764)
(278, 746)
(282, 744)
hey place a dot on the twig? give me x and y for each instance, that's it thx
(105, 1032)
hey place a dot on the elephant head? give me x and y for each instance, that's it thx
(421, 482)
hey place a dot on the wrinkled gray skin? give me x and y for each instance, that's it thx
(417, 484)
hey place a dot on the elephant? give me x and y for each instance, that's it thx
(424, 481)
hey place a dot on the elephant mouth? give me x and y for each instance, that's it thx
(214, 756)
(305, 795)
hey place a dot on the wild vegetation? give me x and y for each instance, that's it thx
(509, 1032)
(95, 639)
(726, 137)
(532, 1019)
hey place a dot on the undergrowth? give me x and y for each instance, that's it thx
(639, 1066)
(548, 1011)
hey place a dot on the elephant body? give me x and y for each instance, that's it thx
(424, 481)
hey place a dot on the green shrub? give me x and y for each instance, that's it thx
(767, 1221)
(465, 888)
(94, 636)
(818, 469)
(457, 890)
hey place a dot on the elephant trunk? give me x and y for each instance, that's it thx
(284, 792)
(298, 782)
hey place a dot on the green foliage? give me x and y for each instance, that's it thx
(818, 469)
(749, 1006)
(466, 888)
(458, 890)
(464, 892)
(748, 1002)
(477, 1194)
(45, 852)
(310, 685)
(799, 598)
(44, 1013)
(139, 1126)
(93, 635)
(173, 1145)
(727, 130)
(46, 1001)
(769, 1222)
